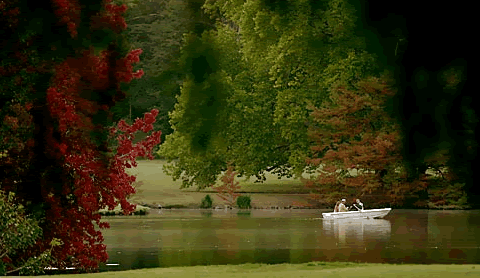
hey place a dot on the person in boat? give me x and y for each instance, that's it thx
(336, 206)
(360, 204)
(342, 207)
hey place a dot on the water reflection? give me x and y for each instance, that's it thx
(183, 238)
(410, 230)
(149, 258)
(357, 232)
(244, 213)
(207, 213)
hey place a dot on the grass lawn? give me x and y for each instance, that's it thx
(156, 187)
(151, 172)
(313, 269)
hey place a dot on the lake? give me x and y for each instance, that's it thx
(168, 238)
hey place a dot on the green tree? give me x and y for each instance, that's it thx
(270, 65)
(157, 28)
(18, 232)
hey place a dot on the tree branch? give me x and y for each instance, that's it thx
(41, 256)
(5, 253)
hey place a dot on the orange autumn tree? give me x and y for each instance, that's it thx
(357, 147)
(228, 190)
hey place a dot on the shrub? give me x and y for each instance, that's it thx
(20, 232)
(243, 202)
(206, 202)
(140, 212)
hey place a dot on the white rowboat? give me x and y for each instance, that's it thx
(368, 213)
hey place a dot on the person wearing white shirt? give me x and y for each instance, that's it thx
(342, 207)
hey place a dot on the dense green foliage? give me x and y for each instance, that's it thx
(435, 101)
(268, 70)
(157, 28)
(18, 232)
(251, 71)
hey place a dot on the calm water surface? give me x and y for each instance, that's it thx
(195, 237)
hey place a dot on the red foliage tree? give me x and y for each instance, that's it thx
(358, 147)
(57, 146)
(228, 190)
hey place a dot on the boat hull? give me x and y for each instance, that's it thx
(369, 213)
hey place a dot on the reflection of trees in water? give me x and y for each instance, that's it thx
(145, 259)
(242, 213)
(132, 259)
(406, 237)
(148, 258)
(410, 230)
(465, 231)
(153, 257)
(454, 236)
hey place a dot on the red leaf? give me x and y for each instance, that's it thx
(149, 118)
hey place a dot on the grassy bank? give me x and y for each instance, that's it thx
(313, 269)
(155, 187)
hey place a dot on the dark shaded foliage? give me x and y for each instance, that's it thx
(420, 43)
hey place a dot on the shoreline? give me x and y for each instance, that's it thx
(156, 207)
(306, 204)
(154, 189)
